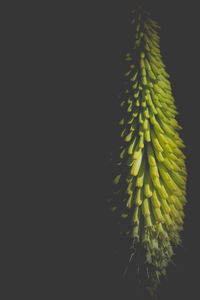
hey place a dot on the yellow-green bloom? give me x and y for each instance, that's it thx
(150, 174)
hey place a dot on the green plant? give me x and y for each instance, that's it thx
(150, 174)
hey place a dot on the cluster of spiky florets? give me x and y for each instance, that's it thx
(150, 176)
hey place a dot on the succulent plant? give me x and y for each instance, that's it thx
(150, 174)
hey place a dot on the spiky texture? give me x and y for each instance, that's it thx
(150, 176)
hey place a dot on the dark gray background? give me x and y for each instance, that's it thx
(66, 62)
